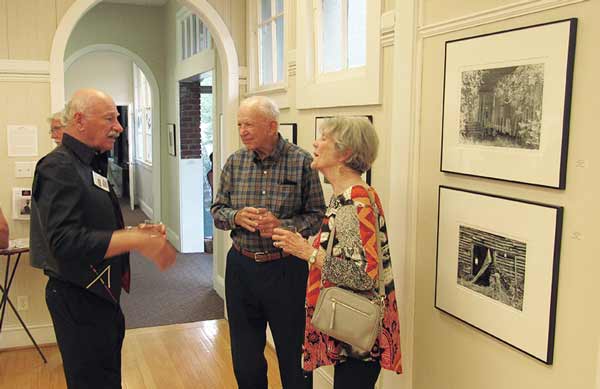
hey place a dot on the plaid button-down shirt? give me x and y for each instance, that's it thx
(283, 183)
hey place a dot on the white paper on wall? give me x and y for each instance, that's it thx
(22, 141)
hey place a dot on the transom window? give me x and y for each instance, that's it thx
(270, 30)
(342, 35)
(194, 36)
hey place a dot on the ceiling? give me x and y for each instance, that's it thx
(154, 3)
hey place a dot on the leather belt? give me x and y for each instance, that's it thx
(260, 256)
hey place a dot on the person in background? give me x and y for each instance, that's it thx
(57, 127)
(209, 175)
(78, 237)
(267, 184)
(3, 231)
(346, 148)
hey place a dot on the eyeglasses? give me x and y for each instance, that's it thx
(54, 130)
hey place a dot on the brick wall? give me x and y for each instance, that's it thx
(189, 114)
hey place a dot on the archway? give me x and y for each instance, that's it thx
(230, 91)
(156, 183)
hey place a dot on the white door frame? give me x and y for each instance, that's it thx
(227, 140)
(156, 195)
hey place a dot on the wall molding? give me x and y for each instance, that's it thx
(219, 286)
(291, 60)
(492, 15)
(146, 209)
(24, 71)
(15, 336)
(173, 237)
(388, 27)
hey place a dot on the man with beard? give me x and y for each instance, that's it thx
(78, 237)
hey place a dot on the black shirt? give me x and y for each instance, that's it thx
(72, 220)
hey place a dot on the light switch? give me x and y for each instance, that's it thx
(24, 169)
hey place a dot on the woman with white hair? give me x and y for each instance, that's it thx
(345, 149)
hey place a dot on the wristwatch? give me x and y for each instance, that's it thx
(313, 257)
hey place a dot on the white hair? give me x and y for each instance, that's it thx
(264, 105)
(356, 134)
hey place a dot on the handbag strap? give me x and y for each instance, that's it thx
(379, 258)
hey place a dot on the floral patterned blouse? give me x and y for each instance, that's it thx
(353, 264)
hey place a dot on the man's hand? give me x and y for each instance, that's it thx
(156, 228)
(157, 248)
(266, 223)
(248, 218)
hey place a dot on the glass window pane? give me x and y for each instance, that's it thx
(194, 34)
(182, 39)
(331, 50)
(265, 10)
(188, 39)
(266, 54)
(279, 6)
(280, 40)
(357, 33)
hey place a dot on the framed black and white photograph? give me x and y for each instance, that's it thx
(507, 100)
(497, 267)
(172, 144)
(289, 132)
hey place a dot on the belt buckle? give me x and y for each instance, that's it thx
(260, 256)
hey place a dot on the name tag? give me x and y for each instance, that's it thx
(100, 181)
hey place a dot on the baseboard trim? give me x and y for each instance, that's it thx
(146, 209)
(15, 336)
(219, 286)
(173, 237)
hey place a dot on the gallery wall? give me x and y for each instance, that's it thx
(449, 353)
(25, 46)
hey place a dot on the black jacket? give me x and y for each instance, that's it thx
(72, 220)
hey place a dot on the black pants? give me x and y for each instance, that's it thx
(257, 294)
(89, 331)
(355, 374)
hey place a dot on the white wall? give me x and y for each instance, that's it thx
(104, 70)
(448, 353)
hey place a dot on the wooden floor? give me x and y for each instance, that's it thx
(193, 355)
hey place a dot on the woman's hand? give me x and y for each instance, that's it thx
(292, 243)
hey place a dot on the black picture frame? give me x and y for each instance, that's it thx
(506, 104)
(496, 275)
(289, 131)
(172, 145)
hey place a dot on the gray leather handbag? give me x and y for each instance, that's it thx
(348, 316)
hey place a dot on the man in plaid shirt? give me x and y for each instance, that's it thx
(265, 185)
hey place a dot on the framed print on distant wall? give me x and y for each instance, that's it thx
(172, 144)
(497, 267)
(507, 100)
(289, 131)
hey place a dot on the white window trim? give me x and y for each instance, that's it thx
(280, 88)
(351, 87)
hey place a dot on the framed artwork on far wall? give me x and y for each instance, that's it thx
(507, 101)
(172, 144)
(497, 267)
(289, 131)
